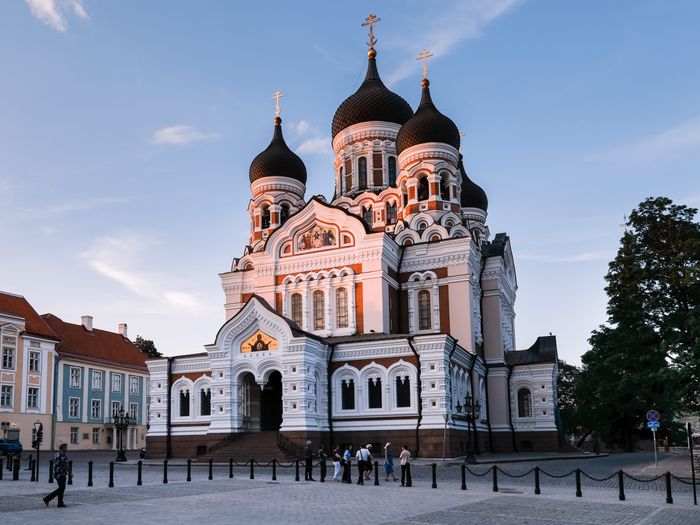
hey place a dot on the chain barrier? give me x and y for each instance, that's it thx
(684, 481)
(555, 476)
(640, 480)
(593, 478)
(516, 475)
(477, 474)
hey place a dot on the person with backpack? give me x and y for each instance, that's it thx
(405, 459)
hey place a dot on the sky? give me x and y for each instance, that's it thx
(127, 130)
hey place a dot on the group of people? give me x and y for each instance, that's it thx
(365, 461)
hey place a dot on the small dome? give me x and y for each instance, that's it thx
(473, 196)
(277, 160)
(372, 101)
(427, 125)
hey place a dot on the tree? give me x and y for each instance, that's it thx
(566, 397)
(147, 347)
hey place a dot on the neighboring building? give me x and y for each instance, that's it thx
(98, 373)
(28, 348)
(372, 318)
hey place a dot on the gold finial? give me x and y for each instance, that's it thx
(369, 21)
(424, 55)
(277, 96)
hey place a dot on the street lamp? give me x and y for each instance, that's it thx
(470, 415)
(38, 438)
(121, 421)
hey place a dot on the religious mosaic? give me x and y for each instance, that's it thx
(259, 342)
(316, 237)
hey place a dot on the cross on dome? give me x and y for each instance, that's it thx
(277, 96)
(424, 55)
(369, 21)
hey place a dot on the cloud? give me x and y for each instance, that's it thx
(72, 206)
(53, 12)
(318, 145)
(5, 187)
(301, 128)
(182, 134)
(682, 137)
(443, 31)
(600, 255)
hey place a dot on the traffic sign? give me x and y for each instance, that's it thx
(653, 425)
(653, 415)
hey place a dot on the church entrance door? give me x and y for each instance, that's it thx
(271, 403)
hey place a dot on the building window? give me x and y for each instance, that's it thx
(374, 392)
(32, 397)
(184, 403)
(424, 310)
(205, 402)
(116, 383)
(524, 403)
(74, 435)
(319, 311)
(133, 410)
(296, 308)
(74, 407)
(96, 409)
(8, 357)
(367, 215)
(340, 178)
(95, 436)
(34, 361)
(391, 216)
(348, 394)
(6, 396)
(392, 171)
(444, 192)
(75, 377)
(404, 196)
(265, 217)
(341, 308)
(403, 392)
(116, 407)
(284, 213)
(133, 385)
(96, 380)
(423, 189)
(362, 172)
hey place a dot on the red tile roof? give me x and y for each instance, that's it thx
(18, 306)
(98, 346)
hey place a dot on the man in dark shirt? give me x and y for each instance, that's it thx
(61, 471)
(309, 459)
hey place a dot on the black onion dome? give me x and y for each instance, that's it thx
(277, 160)
(372, 101)
(473, 196)
(427, 125)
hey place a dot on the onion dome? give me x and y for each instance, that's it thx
(427, 125)
(473, 196)
(277, 160)
(372, 101)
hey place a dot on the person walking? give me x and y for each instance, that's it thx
(389, 462)
(360, 465)
(309, 460)
(335, 455)
(368, 461)
(405, 459)
(61, 471)
(347, 463)
(322, 461)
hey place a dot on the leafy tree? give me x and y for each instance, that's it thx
(147, 347)
(566, 397)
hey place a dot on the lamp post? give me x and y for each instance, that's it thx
(444, 436)
(472, 410)
(39, 437)
(121, 421)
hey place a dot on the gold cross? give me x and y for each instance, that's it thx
(371, 19)
(277, 96)
(423, 55)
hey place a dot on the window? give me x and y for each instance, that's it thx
(133, 410)
(74, 407)
(96, 409)
(362, 172)
(8, 356)
(184, 403)
(6, 396)
(205, 402)
(284, 213)
(74, 435)
(391, 213)
(265, 217)
(348, 394)
(296, 308)
(95, 436)
(96, 380)
(116, 382)
(374, 392)
(341, 308)
(403, 392)
(444, 192)
(392, 171)
(367, 215)
(74, 377)
(133, 385)
(524, 403)
(404, 196)
(319, 310)
(34, 361)
(116, 407)
(340, 178)
(32, 397)
(423, 189)
(424, 310)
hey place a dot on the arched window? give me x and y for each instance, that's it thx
(362, 172)
(392, 171)
(347, 395)
(524, 403)
(265, 217)
(403, 392)
(296, 308)
(444, 191)
(341, 308)
(184, 403)
(367, 215)
(424, 310)
(319, 311)
(284, 213)
(374, 392)
(391, 213)
(408, 242)
(423, 189)
(404, 196)
(205, 402)
(341, 181)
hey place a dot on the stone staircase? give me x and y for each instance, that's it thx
(263, 446)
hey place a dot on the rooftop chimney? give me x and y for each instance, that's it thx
(122, 330)
(86, 321)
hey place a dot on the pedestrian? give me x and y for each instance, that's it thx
(322, 461)
(309, 460)
(61, 471)
(360, 466)
(335, 455)
(368, 461)
(405, 459)
(389, 462)
(347, 463)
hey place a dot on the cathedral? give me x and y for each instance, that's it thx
(383, 314)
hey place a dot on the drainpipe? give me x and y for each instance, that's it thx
(56, 364)
(471, 380)
(449, 363)
(330, 395)
(419, 387)
(399, 328)
(486, 376)
(510, 411)
(168, 382)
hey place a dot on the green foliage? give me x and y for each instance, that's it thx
(566, 397)
(147, 347)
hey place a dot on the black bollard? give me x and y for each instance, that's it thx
(578, 483)
(376, 473)
(230, 468)
(33, 469)
(495, 478)
(70, 472)
(537, 480)
(621, 484)
(252, 468)
(464, 477)
(51, 471)
(296, 476)
(189, 470)
(165, 471)
(434, 469)
(89, 473)
(111, 474)
(15, 469)
(211, 468)
(274, 469)
(139, 473)
(669, 497)
(1, 468)
(29, 463)
(322, 468)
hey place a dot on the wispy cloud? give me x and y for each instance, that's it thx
(683, 137)
(182, 134)
(71, 206)
(5, 187)
(318, 145)
(309, 138)
(600, 255)
(53, 12)
(442, 31)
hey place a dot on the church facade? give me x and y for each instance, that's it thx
(384, 314)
